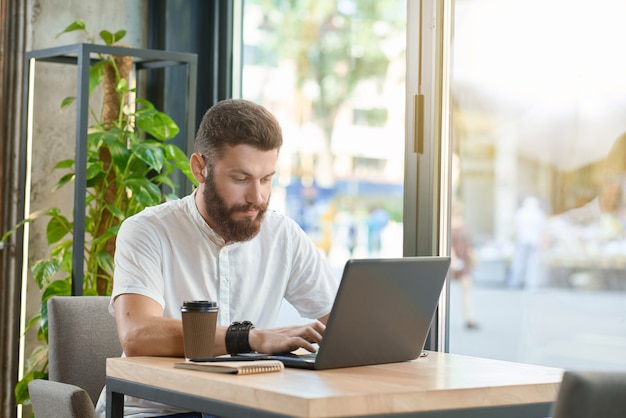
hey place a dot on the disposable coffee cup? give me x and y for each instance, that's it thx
(199, 322)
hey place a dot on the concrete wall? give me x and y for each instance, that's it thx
(53, 129)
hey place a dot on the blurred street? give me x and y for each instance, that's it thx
(580, 328)
(572, 329)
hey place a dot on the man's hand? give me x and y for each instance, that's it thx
(281, 340)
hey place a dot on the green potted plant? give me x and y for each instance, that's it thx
(128, 162)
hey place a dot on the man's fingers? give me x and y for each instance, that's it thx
(302, 343)
(283, 339)
(312, 336)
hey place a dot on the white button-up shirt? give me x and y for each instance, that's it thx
(170, 254)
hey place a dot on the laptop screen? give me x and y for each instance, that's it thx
(382, 311)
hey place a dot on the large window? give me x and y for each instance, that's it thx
(333, 73)
(539, 116)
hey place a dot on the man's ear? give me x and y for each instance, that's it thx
(197, 164)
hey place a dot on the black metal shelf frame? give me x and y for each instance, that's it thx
(83, 55)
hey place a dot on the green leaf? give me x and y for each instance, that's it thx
(95, 130)
(66, 261)
(150, 153)
(110, 38)
(67, 101)
(69, 163)
(93, 169)
(34, 320)
(96, 75)
(57, 228)
(144, 191)
(115, 211)
(106, 235)
(105, 262)
(63, 181)
(43, 319)
(89, 198)
(146, 115)
(43, 270)
(122, 86)
(163, 179)
(53, 211)
(60, 248)
(180, 159)
(107, 37)
(22, 397)
(42, 334)
(147, 104)
(38, 360)
(119, 35)
(96, 181)
(174, 153)
(160, 126)
(21, 388)
(114, 135)
(78, 24)
(60, 287)
(119, 155)
(99, 137)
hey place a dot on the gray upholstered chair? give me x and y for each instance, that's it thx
(591, 395)
(81, 335)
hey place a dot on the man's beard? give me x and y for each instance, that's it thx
(231, 230)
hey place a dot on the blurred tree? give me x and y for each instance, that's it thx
(336, 46)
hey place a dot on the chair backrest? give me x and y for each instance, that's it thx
(81, 335)
(591, 395)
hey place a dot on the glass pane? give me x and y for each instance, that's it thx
(539, 118)
(333, 73)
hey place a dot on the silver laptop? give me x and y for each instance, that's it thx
(381, 314)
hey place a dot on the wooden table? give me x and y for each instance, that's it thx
(439, 385)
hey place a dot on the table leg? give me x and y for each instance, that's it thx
(115, 404)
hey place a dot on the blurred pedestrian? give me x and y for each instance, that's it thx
(530, 221)
(594, 235)
(377, 221)
(462, 263)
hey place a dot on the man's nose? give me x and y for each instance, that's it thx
(255, 193)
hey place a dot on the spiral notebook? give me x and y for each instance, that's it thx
(237, 367)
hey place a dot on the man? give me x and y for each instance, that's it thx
(221, 244)
(530, 222)
(594, 233)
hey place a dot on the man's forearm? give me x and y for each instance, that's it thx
(152, 337)
(162, 337)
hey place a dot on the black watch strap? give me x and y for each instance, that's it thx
(237, 337)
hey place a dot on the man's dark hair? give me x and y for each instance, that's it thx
(234, 122)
